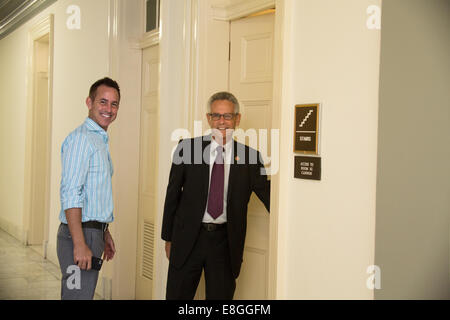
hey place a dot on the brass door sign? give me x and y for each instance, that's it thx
(306, 128)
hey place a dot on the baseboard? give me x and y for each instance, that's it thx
(14, 230)
(51, 253)
(104, 287)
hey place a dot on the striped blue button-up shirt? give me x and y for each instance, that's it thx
(86, 173)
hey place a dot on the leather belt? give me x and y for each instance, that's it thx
(94, 225)
(212, 226)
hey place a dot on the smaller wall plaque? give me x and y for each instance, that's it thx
(307, 168)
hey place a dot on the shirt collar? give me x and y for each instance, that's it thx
(214, 145)
(91, 125)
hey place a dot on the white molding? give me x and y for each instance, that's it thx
(14, 230)
(41, 28)
(191, 26)
(113, 36)
(227, 10)
(149, 39)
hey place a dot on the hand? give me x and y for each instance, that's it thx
(168, 245)
(110, 248)
(82, 256)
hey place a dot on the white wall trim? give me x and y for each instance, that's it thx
(148, 40)
(191, 27)
(234, 9)
(113, 22)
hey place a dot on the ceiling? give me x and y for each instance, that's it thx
(14, 13)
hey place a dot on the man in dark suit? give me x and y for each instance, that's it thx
(205, 210)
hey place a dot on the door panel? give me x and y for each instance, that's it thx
(148, 170)
(39, 187)
(251, 70)
(40, 148)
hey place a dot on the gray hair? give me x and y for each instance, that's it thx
(223, 95)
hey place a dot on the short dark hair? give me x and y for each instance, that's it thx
(224, 95)
(103, 82)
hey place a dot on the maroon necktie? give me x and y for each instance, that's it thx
(215, 198)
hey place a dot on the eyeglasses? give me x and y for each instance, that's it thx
(217, 116)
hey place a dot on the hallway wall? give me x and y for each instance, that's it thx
(326, 228)
(413, 180)
(13, 101)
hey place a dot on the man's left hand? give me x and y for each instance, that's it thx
(110, 249)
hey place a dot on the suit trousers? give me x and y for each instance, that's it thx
(210, 253)
(77, 284)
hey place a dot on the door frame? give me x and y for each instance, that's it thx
(224, 10)
(42, 28)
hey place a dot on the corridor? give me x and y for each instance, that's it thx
(24, 274)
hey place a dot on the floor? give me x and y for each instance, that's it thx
(25, 274)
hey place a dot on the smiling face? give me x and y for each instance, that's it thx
(223, 128)
(103, 109)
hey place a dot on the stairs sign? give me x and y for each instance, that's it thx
(306, 128)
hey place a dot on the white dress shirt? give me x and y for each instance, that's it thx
(227, 160)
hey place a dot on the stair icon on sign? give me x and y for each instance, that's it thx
(306, 118)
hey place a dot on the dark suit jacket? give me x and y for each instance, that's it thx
(187, 195)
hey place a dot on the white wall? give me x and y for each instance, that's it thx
(173, 114)
(326, 228)
(13, 100)
(413, 181)
(124, 146)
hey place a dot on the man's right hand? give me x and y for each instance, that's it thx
(82, 256)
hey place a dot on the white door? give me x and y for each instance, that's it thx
(41, 124)
(251, 73)
(148, 170)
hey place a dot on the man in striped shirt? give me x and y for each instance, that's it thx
(86, 195)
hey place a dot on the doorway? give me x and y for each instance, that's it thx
(39, 135)
(250, 79)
